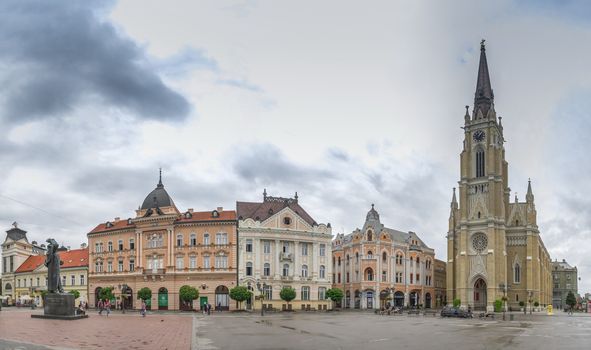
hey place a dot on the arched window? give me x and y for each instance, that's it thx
(357, 257)
(418, 260)
(305, 293)
(193, 239)
(249, 268)
(369, 274)
(206, 239)
(517, 273)
(110, 246)
(285, 270)
(179, 240)
(339, 261)
(267, 269)
(369, 236)
(370, 255)
(384, 256)
(480, 159)
(322, 271)
(304, 270)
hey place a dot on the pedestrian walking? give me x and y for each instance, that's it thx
(208, 308)
(100, 307)
(219, 307)
(143, 308)
(108, 307)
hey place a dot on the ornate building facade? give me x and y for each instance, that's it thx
(282, 245)
(164, 249)
(440, 283)
(15, 250)
(375, 265)
(565, 279)
(494, 245)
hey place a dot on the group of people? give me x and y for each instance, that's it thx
(206, 308)
(104, 305)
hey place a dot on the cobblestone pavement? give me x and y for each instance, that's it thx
(130, 331)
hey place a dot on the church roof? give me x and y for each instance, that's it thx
(158, 198)
(484, 96)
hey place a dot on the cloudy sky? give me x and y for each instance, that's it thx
(346, 103)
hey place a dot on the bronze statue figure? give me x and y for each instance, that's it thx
(53, 262)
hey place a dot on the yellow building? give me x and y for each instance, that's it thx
(163, 249)
(494, 245)
(31, 275)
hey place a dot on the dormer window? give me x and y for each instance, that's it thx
(287, 221)
(270, 211)
(129, 221)
(187, 215)
(215, 214)
(109, 224)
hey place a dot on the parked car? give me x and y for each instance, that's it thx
(449, 311)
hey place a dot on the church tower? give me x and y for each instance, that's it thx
(476, 238)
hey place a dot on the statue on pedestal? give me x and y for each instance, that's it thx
(53, 262)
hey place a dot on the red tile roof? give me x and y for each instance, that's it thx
(224, 215)
(32, 262)
(121, 224)
(269, 207)
(71, 258)
(74, 258)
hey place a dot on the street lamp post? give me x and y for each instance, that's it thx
(530, 294)
(261, 296)
(504, 288)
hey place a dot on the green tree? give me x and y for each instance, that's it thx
(106, 293)
(287, 294)
(571, 300)
(334, 294)
(457, 302)
(240, 294)
(144, 294)
(498, 305)
(76, 293)
(188, 293)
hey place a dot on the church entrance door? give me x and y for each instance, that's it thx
(480, 294)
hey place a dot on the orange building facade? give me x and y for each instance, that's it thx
(163, 249)
(377, 266)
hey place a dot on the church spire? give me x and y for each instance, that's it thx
(483, 97)
(454, 201)
(529, 197)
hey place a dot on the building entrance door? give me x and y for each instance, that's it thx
(163, 299)
(202, 302)
(480, 294)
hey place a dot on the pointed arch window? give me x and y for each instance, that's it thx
(480, 159)
(516, 273)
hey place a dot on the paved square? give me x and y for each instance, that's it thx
(333, 330)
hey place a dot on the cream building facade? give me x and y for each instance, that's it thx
(15, 250)
(31, 275)
(376, 266)
(164, 249)
(494, 245)
(281, 245)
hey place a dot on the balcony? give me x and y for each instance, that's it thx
(154, 272)
(287, 278)
(286, 257)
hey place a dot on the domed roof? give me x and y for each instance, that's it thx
(372, 215)
(158, 197)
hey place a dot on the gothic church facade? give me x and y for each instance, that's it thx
(494, 245)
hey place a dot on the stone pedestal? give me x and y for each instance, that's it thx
(59, 306)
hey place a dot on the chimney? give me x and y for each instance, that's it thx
(190, 210)
(563, 260)
(220, 209)
(83, 245)
(117, 219)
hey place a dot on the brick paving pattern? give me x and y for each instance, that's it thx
(129, 331)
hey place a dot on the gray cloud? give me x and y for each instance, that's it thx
(57, 55)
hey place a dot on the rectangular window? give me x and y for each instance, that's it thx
(305, 293)
(249, 245)
(221, 262)
(206, 262)
(348, 279)
(192, 262)
(286, 247)
(96, 248)
(109, 266)
(120, 266)
(110, 246)
(339, 278)
(268, 292)
(322, 249)
(193, 240)
(120, 245)
(411, 280)
(73, 278)
(131, 244)
(321, 293)
(82, 280)
(45, 281)
(63, 280)
(179, 262)
(179, 240)
(418, 279)
(267, 247)
(131, 265)
(37, 281)
(18, 283)
(11, 264)
(206, 239)
(384, 278)
(304, 248)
